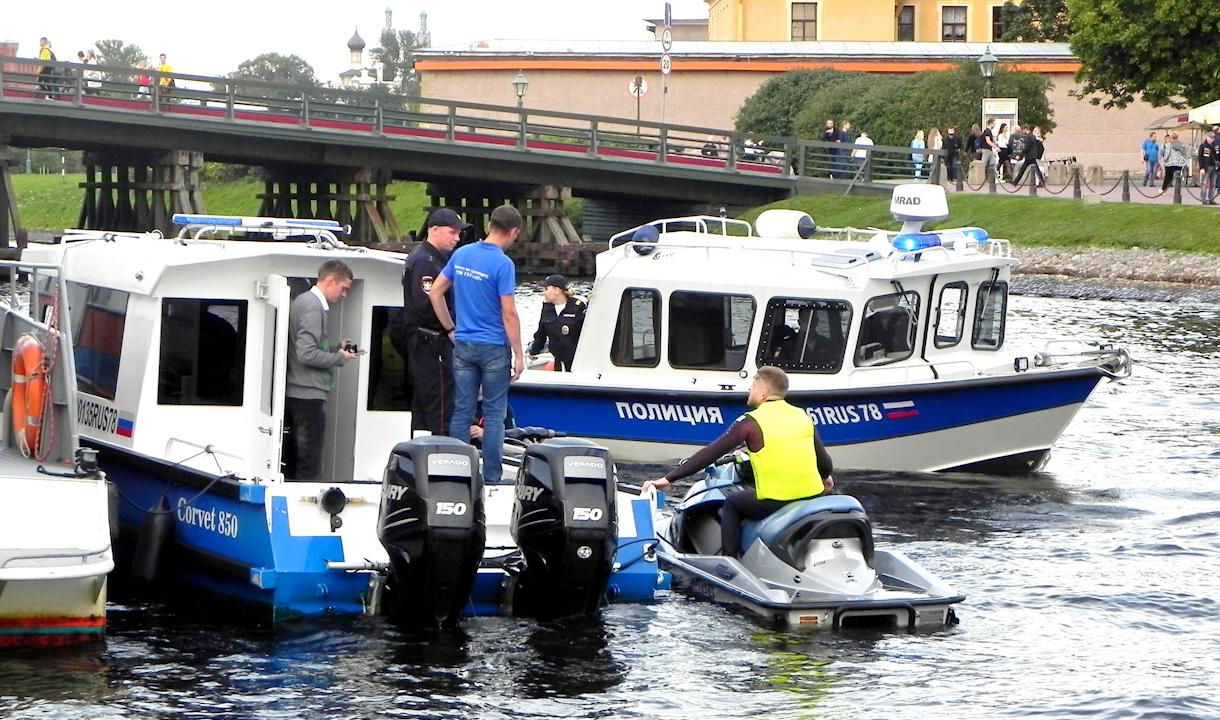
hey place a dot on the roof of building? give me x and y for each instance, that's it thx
(356, 43)
(753, 50)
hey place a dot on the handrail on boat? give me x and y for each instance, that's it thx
(700, 222)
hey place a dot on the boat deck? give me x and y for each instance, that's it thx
(13, 464)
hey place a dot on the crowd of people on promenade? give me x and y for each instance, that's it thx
(1168, 159)
(59, 82)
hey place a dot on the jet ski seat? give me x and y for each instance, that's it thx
(790, 527)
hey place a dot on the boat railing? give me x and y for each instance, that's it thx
(200, 227)
(700, 223)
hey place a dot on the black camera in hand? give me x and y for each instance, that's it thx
(349, 346)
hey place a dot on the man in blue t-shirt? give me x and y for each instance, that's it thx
(1152, 155)
(487, 352)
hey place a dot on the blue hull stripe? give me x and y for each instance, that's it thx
(843, 417)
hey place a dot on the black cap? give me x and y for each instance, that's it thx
(558, 281)
(444, 217)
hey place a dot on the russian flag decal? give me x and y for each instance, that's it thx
(125, 426)
(899, 410)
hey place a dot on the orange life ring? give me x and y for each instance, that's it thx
(29, 392)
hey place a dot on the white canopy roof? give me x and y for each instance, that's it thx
(1209, 113)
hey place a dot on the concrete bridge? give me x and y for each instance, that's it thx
(331, 153)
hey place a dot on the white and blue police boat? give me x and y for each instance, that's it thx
(180, 365)
(813, 564)
(55, 520)
(897, 344)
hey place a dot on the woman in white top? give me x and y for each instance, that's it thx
(1001, 141)
(917, 144)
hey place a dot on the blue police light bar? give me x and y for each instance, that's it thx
(978, 235)
(914, 242)
(255, 223)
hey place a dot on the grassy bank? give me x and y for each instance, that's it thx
(1038, 221)
(51, 202)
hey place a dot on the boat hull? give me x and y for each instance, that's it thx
(52, 612)
(244, 542)
(1000, 424)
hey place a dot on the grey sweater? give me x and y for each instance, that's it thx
(310, 360)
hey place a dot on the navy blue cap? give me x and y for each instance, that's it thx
(444, 217)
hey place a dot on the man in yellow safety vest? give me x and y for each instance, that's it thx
(786, 455)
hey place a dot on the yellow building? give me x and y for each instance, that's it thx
(855, 20)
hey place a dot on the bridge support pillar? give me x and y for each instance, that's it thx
(11, 232)
(134, 193)
(359, 198)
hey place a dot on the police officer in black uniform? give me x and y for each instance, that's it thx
(559, 327)
(429, 353)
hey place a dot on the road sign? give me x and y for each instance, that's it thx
(667, 39)
(666, 64)
(637, 89)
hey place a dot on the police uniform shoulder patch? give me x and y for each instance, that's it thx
(425, 284)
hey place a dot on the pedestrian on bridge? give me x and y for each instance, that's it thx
(165, 81)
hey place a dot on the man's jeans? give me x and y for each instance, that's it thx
(307, 418)
(475, 366)
(1150, 173)
(1209, 185)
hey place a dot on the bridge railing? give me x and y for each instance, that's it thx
(237, 99)
(383, 113)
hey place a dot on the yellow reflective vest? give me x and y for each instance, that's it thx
(786, 468)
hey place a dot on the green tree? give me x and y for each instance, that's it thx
(1035, 21)
(773, 108)
(274, 67)
(397, 56)
(1164, 51)
(117, 53)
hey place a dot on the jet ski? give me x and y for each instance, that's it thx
(811, 564)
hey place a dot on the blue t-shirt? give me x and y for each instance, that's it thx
(481, 274)
(1151, 150)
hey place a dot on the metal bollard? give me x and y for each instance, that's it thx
(1177, 188)
(959, 181)
(1033, 183)
(1126, 186)
(1076, 182)
(991, 183)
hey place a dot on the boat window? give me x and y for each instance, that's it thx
(388, 386)
(709, 331)
(989, 314)
(888, 329)
(637, 329)
(951, 315)
(99, 318)
(203, 352)
(804, 335)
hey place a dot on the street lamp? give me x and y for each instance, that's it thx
(987, 65)
(520, 85)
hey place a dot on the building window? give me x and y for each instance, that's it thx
(637, 330)
(989, 314)
(953, 23)
(99, 319)
(997, 23)
(203, 352)
(709, 331)
(805, 335)
(906, 24)
(889, 329)
(804, 21)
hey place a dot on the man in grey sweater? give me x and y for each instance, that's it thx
(311, 364)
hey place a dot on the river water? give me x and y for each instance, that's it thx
(1092, 592)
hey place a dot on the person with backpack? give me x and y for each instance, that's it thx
(1209, 164)
(46, 74)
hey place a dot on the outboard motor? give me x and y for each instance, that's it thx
(432, 526)
(565, 524)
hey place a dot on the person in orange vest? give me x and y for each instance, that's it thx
(787, 458)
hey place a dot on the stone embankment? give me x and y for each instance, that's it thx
(1104, 273)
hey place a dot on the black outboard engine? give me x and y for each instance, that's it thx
(565, 524)
(432, 526)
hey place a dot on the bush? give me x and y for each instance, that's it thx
(773, 108)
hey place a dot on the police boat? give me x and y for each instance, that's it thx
(896, 342)
(180, 351)
(543, 544)
(810, 565)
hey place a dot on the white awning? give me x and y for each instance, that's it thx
(1208, 114)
